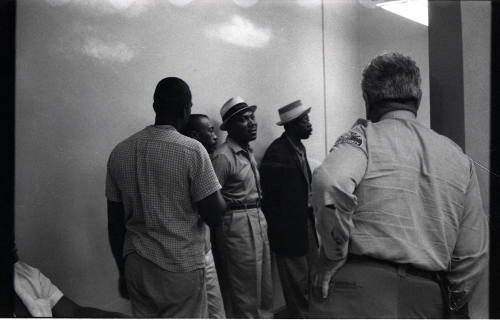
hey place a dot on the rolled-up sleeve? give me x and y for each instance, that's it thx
(334, 201)
(470, 255)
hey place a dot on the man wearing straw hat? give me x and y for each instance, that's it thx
(286, 187)
(242, 241)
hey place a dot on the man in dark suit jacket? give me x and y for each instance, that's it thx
(286, 188)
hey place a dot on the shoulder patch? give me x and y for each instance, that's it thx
(350, 137)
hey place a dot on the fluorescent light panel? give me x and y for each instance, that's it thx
(415, 10)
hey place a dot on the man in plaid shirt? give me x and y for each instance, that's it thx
(161, 187)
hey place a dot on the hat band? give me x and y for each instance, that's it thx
(233, 110)
(291, 115)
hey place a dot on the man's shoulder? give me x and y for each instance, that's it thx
(223, 150)
(356, 136)
(444, 140)
(163, 139)
(278, 144)
(125, 144)
(187, 142)
(277, 148)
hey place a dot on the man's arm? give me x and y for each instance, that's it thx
(212, 208)
(333, 185)
(205, 189)
(270, 179)
(116, 236)
(470, 256)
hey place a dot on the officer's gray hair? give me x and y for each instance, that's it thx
(391, 76)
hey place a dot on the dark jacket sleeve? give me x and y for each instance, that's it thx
(270, 172)
(284, 195)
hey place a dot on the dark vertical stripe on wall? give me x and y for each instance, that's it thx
(324, 72)
(495, 164)
(446, 70)
(7, 79)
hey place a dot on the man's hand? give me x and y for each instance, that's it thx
(323, 272)
(122, 287)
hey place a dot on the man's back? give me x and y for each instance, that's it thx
(159, 174)
(419, 204)
(412, 196)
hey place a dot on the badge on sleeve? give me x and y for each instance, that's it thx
(350, 137)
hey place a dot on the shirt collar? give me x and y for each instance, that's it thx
(164, 127)
(235, 146)
(294, 146)
(399, 114)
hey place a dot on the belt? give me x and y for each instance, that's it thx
(406, 268)
(244, 206)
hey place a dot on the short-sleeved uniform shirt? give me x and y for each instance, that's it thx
(398, 191)
(159, 174)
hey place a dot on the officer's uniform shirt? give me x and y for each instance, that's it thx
(396, 190)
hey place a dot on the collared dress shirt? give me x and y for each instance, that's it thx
(237, 171)
(396, 190)
(159, 175)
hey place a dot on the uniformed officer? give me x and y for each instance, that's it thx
(397, 205)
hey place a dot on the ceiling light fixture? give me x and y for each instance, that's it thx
(415, 10)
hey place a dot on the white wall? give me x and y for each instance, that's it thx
(343, 81)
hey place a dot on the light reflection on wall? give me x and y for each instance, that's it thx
(245, 3)
(180, 3)
(309, 3)
(125, 7)
(242, 32)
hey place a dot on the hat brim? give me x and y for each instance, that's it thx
(280, 123)
(224, 123)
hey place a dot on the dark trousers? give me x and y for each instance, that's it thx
(371, 289)
(295, 277)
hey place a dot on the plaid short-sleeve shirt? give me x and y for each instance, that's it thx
(159, 175)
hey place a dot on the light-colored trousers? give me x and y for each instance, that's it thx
(155, 292)
(243, 249)
(214, 296)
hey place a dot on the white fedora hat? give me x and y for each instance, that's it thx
(292, 111)
(232, 107)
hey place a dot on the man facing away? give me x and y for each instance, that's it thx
(200, 127)
(161, 187)
(242, 241)
(286, 185)
(399, 211)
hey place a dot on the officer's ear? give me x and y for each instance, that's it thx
(419, 98)
(368, 106)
